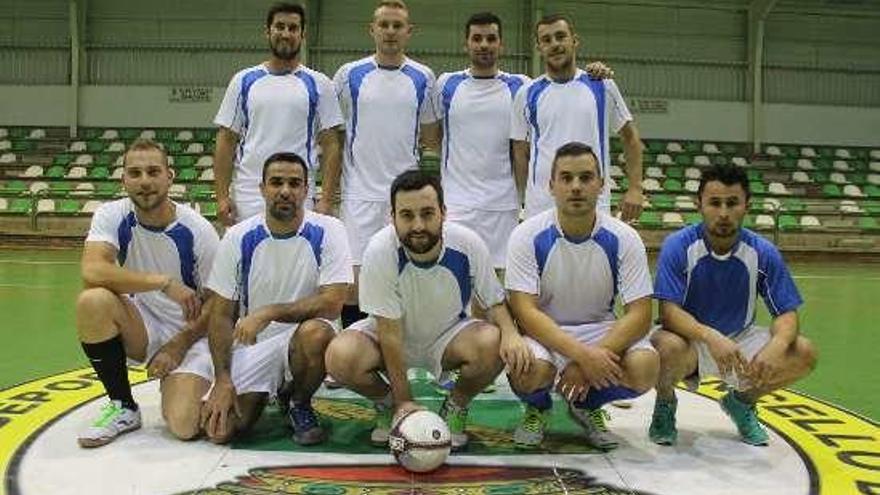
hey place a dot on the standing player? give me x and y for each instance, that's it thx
(418, 278)
(279, 105)
(708, 278)
(564, 105)
(143, 267)
(280, 280)
(565, 268)
(385, 99)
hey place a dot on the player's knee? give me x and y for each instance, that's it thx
(541, 376)
(96, 301)
(182, 423)
(339, 357)
(669, 345)
(644, 372)
(313, 337)
(808, 354)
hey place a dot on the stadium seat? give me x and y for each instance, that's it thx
(874, 179)
(650, 219)
(755, 175)
(842, 153)
(757, 187)
(37, 134)
(837, 178)
(13, 187)
(685, 203)
(683, 160)
(201, 192)
(805, 164)
(117, 173)
(77, 146)
(115, 147)
(852, 191)
(850, 207)
(868, 224)
(5, 145)
(662, 202)
(772, 151)
(674, 173)
(184, 161)
(195, 148)
(841, 166)
(55, 172)
(674, 147)
(808, 152)
(84, 160)
(710, 149)
(99, 173)
(831, 191)
(185, 135)
(672, 186)
(129, 134)
(177, 191)
(148, 134)
(32, 171)
(764, 222)
(702, 161)
(7, 158)
(672, 219)
(692, 173)
(165, 135)
(788, 223)
(651, 185)
(108, 189)
(692, 218)
(86, 189)
(121, 159)
(771, 205)
(655, 146)
(663, 159)
(205, 161)
(90, 206)
(800, 177)
(38, 187)
(654, 172)
(207, 175)
(207, 136)
(173, 147)
(20, 205)
(186, 175)
(68, 207)
(613, 185)
(872, 191)
(692, 185)
(810, 221)
(110, 135)
(46, 205)
(95, 146)
(3, 132)
(739, 161)
(616, 171)
(207, 210)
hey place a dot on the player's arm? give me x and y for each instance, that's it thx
(390, 332)
(628, 329)
(724, 350)
(514, 351)
(331, 167)
(171, 354)
(327, 304)
(223, 397)
(519, 151)
(598, 363)
(631, 203)
(224, 152)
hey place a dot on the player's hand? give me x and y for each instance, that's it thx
(167, 359)
(598, 70)
(247, 328)
(573, 385)
(727, 355)
(515, 354)
(765, 365)
(324, 206)
(405, 408)
(187, 298)
(222, 401)
(600, 366)
(631, 204)
(226, 211)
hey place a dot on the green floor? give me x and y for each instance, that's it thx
(38, 291)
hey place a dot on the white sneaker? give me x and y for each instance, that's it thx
(113, 421)
(593, 423)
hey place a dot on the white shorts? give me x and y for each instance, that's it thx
(362, 219)
(159, 331)
(750, 342)
(589, 333)
(494, 227)
(425, 355)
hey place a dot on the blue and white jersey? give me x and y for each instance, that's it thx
(428, 298)
(256, 268)
(549, 114)
(720, 291)
(383, 108)
(475, 155)
(272, 113)
(183, 250)
(577, 280)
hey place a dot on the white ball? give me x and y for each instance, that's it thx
(420, 441)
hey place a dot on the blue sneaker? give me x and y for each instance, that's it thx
(304, 421)
(662, 430)
(745, 418)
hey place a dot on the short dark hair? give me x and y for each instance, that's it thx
(481, 19)
(729, 175)
(286, 156)
(285, 8)
(415, 180)
(574, 148)
(551, 18)
(144, 144)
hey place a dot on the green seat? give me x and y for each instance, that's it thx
(22, 146)
(755, 175)
(187, 175)
(749, 222)
(831, 191)
(793, 205)
(165, 135)
(20, 206)
(684, 160)
(787, 163)
(858, 165)
(62, 159)
(61, 188)
(89, 133)
(692, 218)
(672, 185)
(208, 210)
(872, 191)
(67, 207)
(788, 223)
(790, 151)
(99, 173)
(201, 192)
(650, 219)
(868, 224)
(14, 187)
(693, 147)
(662, 202)
(729, 149)
(207, 135)
(871, 207)
(184, 161)
(55, 172)
(103, 160)
(822, 164)
(857, 179)
(173, 147)
(656, 147)
(757, 187)
(674, 173)
(95, 146)
(129, 134)
(719, 160)
(107, 189)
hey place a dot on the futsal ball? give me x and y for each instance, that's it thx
(420, 441)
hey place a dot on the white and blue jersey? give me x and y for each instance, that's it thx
(577, 280)
(720, 291)
(475, 155)
(256, 268)
(271, 113)
(428, 298)
(383, 108)
(183, 250)
(550, 114)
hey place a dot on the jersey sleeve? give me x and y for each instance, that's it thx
(105, 225)
(336, 265)
(437, 96)
(486, 286)
(230, 113)
(775, 284)
(329, 114)
(226, 268)
(428, 112)
(206, 246)
(671, 276)
(635, 277)
(343, 97)
(618, 112)
(519, 123)
(521, 272)
(378, 288)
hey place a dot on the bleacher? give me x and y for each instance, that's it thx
(820, 196)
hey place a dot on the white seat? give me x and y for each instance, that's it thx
(692, 185)
(612, 184)
(84, 159)
(148, 134)
(739, 161)
(45, 205)
(83, 189)
(117, 173)
(685, 203)
(874, 166)
(702, 161)
(841, 166)
(801, 177)
(205, 161)
(674, 147)
(3, 132)
(663, 159)
(171, 160)
(773, 150)
(4, 205)
(38, 187)
(119, 161)
(116, 147)
(207, 175)
(810, 221)
(651, 185)
(616, 171)
(874, 153)
(838, 178)
(32, 171)
(76, 173)
(850, 206)
(874, 179)
(852, 191)
(655, 172)
(805, 164)
(672, 219)
(77, 146)
(184, 136)
(110, 134)
(772, 204)
(777, 188)
(765, 221)
(37, 134)
(5, 145)
(842, 153)
(711, 149)
(621, 158)
(90, 206)
(808, 152)
(692, 173)
(177, 191)
(195, 148)
(7, 158)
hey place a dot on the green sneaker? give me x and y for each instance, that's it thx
(593, 423)
(662, 430)
(456, 418)
(446, 383)
(745, 418)
(379, 435)
(113, 421)
(530, 432)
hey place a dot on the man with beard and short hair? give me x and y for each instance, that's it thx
(279, 279)
(278, 105)
(387, 104)
(144, 266)
(708, 277)
(566, 105)
(419, 275)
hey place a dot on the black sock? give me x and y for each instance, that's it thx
(108, 360)
(350, 314)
